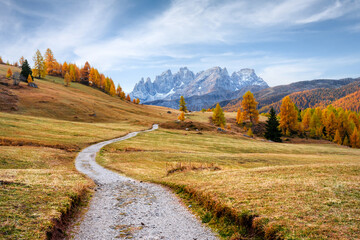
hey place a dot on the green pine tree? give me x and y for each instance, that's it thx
(182, 104)
(273, 132)
(26, 70)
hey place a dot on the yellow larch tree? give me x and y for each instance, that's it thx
(355, 139)
(181, 116)
(249, 110)
(218, 116)
(337, 138)
(239, 116)
(288, 116)
(39, 65)
(9, 73)
(306, 119)
(67, 79)
(64, 69)
(331, 126)
(50, 62)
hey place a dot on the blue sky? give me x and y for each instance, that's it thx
(283, 40)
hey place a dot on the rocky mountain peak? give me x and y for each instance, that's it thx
(170, 86)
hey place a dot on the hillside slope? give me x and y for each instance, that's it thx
(320, 97)
(75, 103)
(351, 102)
(41, 131)
(274, 94)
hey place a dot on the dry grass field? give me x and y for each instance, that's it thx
(242, 187)
(297, 191)
(39, 142)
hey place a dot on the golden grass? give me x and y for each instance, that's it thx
(311, 190)
(79, 103)
(37, 185)
(38, 144)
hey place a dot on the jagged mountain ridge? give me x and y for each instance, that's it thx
(215, 84)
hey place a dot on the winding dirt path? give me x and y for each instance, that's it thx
(125, 208)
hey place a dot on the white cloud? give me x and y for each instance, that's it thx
(165, 39)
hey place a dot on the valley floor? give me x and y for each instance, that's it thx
(301, 191)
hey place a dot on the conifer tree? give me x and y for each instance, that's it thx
(122, 95)
(72, 73)
(118, 90)
(337, 138)
(128, 98)
(218, 116)
(65, 69)
(181, 116)
(84, 74)
(182, 104)
(248, 105)
(331, 125)
(288, 116)
(239, 116)
(352, 117)
(39, 65)
(67, 79)
(92, 77)
(26, 70)
(306, 119)
(355, 139)
(273, 132)
(9, 73)
(21, 60)
(1, 61)
(346, 141)
(112, 90)
(50, 62)
(137, 101)
(134, 101)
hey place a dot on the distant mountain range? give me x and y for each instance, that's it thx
(315, 93)
(201, 90)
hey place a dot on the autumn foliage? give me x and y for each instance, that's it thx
(219, 117)
(288, 117)
(72, 73)
(181, 116)
(39, 69)
(182, 104)
(334, 124)
(9, 73)
(248, 105)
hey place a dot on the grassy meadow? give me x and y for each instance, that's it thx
(38, 145)
(296, 191)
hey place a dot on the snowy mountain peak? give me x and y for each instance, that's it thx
(170, 86)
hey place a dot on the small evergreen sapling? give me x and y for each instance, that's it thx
(273, 132)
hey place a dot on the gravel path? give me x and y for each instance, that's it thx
(125, 208)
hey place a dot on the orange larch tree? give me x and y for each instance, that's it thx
(288, 116)
(9, 73)
(248, 105)
(84, 73)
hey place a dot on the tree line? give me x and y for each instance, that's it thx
(87, 75)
